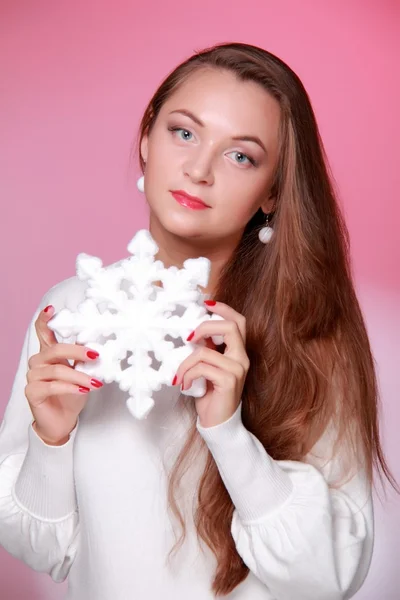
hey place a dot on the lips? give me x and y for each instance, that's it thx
(186, 199)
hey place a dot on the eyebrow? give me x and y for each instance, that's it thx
(241, 138)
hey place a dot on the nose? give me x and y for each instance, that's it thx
(199, 169)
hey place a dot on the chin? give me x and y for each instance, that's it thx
(181, 225)
(186, 233)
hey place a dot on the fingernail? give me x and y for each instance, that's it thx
(210, 302)
(96, 383)
(49, 307)
(174, 380)
(84, 390)
(190, 336)
(92, 354)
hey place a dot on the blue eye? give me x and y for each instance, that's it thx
(186, 137)
(242, 159)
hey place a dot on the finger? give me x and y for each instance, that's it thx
(229, 330)
(229, 314)
(61, 353)
(63, 373)
(210, 357)
(45, 335)
(220, 379)
(210, 344)
(39, 391)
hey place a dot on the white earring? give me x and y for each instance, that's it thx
(140, 184)
(265, 234)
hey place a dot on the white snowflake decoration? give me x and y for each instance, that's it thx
(126, 316)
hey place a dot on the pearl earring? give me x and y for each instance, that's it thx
(265, 234)
(140, 184)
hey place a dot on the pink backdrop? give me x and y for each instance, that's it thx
(75, 78)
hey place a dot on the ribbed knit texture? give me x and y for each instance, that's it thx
(45, 485)
(255, 482)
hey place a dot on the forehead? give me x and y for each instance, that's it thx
(224, 102)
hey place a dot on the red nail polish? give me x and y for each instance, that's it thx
(92, 354)
(190, 336)
(84, 390)
(96, 383)
(47, 308)
(210, 302)
(174, 380)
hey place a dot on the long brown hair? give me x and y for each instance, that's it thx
(304, 324)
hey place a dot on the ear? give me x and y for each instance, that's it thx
(268, 205)
(144, 147)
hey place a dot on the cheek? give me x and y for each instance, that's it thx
(158, 169)
(157, 158)
(241, 199)
(158, 147)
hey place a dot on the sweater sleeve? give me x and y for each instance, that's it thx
(38, 512)
(302, 537)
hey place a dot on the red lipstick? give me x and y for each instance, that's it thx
(189, 201)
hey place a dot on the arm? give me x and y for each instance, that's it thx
(38, 512)
(300, 537)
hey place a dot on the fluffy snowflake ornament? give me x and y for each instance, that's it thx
(126, 317)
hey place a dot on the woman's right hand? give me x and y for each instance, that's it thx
(56, 392)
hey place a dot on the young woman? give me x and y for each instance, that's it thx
(261, 489)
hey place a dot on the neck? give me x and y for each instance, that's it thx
(174, 250)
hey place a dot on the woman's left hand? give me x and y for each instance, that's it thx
(225, 373)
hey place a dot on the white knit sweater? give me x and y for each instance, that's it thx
(95, 509)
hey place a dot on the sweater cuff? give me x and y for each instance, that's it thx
(45, 485)
(254, 481)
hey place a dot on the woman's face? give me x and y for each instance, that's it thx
(216, 138)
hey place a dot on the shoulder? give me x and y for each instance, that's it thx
(65, 294)
(69, 293)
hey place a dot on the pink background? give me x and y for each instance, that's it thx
(75, 77)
